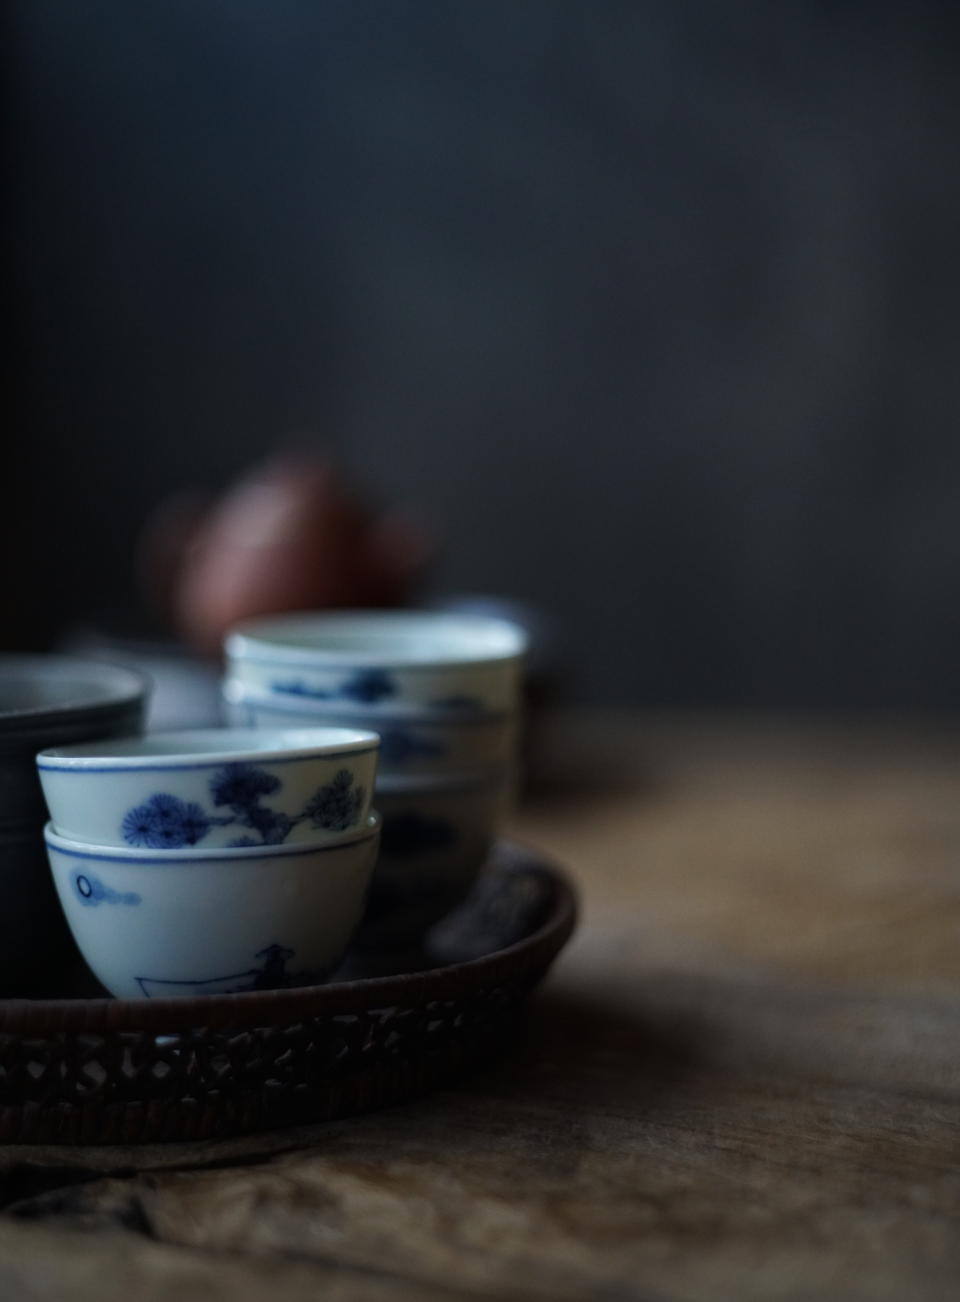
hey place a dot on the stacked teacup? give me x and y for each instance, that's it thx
(215, 862)
(442, 691)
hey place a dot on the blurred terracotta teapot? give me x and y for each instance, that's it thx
(290, 535)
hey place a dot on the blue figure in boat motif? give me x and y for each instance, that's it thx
(271, 974)
(165, 822)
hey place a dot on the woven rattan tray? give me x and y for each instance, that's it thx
(101, 1071)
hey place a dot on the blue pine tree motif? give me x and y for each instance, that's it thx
(165, 823)
(336, 806)
(274, 828)
(239, 787)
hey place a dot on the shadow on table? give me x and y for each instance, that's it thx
(574, 1049)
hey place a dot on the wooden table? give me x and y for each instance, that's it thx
(741, 1081)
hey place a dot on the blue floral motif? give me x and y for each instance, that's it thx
(165, 822)
(91, 891)
(337, 805)
(240, 786)
(398, 745)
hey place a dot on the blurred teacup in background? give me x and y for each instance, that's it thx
(444, 692)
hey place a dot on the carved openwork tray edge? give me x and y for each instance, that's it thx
(99, 1071)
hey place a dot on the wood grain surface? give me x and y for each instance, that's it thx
(740, 1082)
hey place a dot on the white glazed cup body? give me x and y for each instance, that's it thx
(436, 837)
(389, 660)
(415, 741)
(319, 787)
(157, 925)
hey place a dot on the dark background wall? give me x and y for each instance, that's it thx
(654, 307)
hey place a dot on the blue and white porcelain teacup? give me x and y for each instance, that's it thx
(161, 923)
(390, 660)
(414, 741)
(212, 788)
(436, 836)
(443, 692)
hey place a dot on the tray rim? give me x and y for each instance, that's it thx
(41, 1017)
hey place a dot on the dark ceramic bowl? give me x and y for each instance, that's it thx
(46, 701)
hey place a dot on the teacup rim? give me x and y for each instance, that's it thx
(84, 756)
(250, 640)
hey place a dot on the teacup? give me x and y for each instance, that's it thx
(390, 660)
(160, 923)
(415, 741)
(436, 835)
(211, 788)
